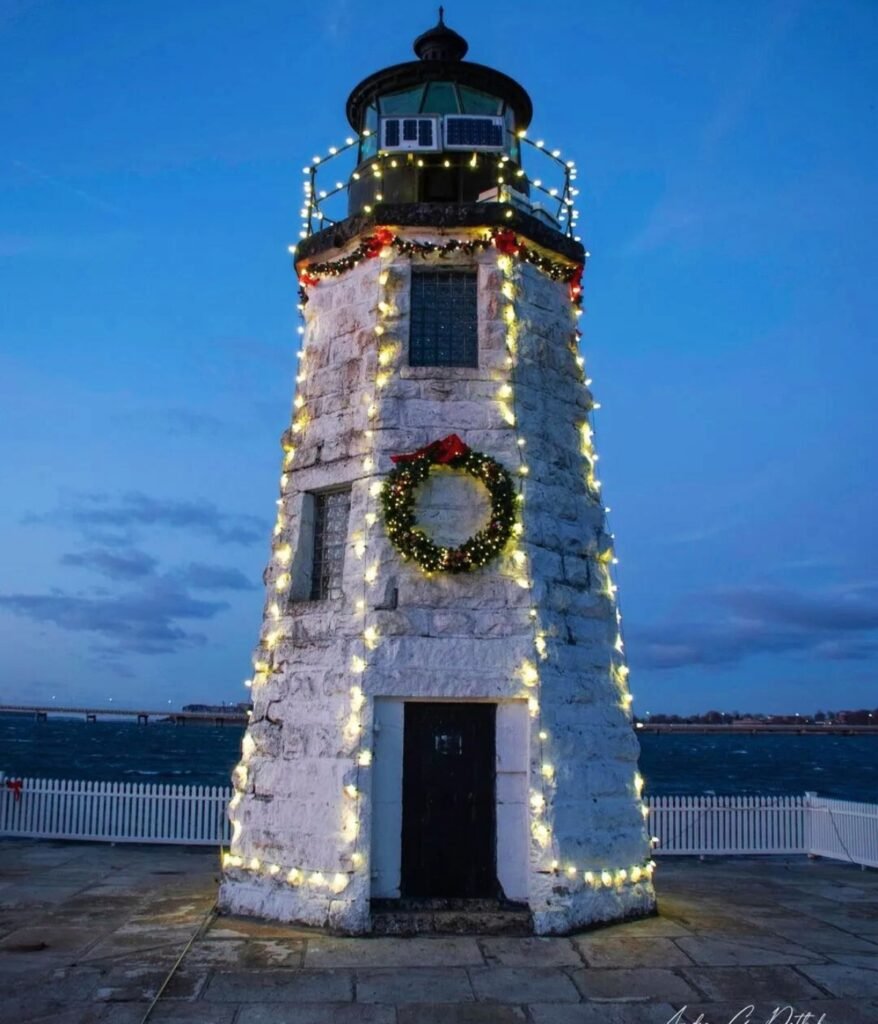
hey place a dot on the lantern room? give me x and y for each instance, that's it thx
(441, 123)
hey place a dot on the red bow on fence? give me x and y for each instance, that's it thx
(15, 785)
(443, 451)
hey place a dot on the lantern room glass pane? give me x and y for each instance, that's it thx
(331, 511)
(444, 318)
(441, 98)
(406, 102)
(474, 101)
(369, 145)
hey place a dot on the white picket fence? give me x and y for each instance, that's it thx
(126, 812)
(118, 812)
(704, 825)
(842, 830)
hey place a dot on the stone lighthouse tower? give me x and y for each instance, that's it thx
(441, 710)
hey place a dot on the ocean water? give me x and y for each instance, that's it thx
(845, 767)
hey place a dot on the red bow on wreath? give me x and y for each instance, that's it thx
(307, 279)
(15, 785)
(506, 242)
(375, 243)
(444, 451)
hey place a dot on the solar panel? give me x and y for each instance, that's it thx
(409, 133)
(391, 132)
(463, 132)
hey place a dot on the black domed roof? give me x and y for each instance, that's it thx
(441, 51)
(441, 42)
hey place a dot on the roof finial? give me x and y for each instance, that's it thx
(441, 42)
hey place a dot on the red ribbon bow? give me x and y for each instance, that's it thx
(15, 785)
(444, 451)
(506, 242)
(576, 284)
(375, 243)
(308, 279)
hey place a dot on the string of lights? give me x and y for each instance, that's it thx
(511, 251)
(565, 195)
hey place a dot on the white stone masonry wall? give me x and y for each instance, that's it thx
(303, 835)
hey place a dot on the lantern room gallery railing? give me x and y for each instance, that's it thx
(328, 178)
(130, 812)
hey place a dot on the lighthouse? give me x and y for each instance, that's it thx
(441, 719)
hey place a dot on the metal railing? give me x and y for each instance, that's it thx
(327, 181)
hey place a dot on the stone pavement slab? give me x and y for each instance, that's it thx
(415, 985)
(465, 1013)
(766, 950)
(529, 952)
(836, 1011)
(91, 933)
(280, 986)
(619, 950)
(316, 1013)
(130, 984)
(523, 985)
(844, 979)
(255, 953)
(418, 951)
(752, 984)
(169, 1013)
(606, 1013)
(634, 984)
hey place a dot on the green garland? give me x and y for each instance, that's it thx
(556, 269)
(398, 502)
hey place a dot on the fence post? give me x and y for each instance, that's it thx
(809, 807)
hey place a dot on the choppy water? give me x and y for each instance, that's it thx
(839, 766)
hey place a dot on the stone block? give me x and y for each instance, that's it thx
(778, 984)
(606, 1013)
(463, 1013)
(278, 986)
(634, 984)
(530, 952)
(523, 985)
(397, 953)
(315, 1013)
(414, 985)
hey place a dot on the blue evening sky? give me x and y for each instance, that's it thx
(150, 175)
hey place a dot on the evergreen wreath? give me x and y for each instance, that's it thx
(398, 503)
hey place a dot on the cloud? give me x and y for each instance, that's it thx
(64, 186)
(190, 422)
(741, 622)
(213, 577)
(112, 521)
(143, 621)
(128, 565)
(132, 564)
(846, 608)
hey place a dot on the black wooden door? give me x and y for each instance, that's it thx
(448, 817)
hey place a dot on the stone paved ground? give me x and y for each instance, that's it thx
(89, 933)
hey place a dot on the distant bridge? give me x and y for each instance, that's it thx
(224, 716)
(753, 728)
(233, 716)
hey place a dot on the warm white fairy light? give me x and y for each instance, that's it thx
(370, 637)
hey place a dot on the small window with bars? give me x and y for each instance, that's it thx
(331, 509)
(444, 318)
